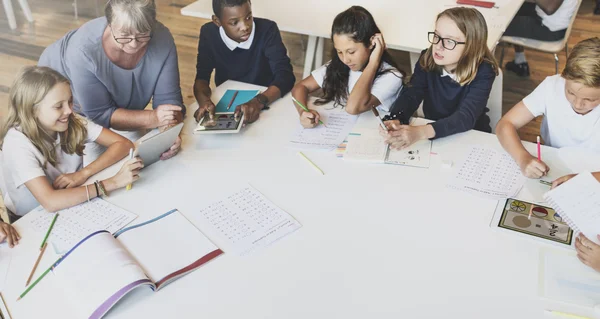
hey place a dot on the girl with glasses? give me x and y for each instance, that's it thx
(453, 79)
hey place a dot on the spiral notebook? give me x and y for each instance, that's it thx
(578, 202)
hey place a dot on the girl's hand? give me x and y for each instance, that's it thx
(309, 119)
(8, 233)
(533, 168)
(378, 45)
(588, 252)
(70, 180)
(561, 180)
(404, 136)
(128, 174)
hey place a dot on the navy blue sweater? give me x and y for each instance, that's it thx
(455, 108)
(266, 62)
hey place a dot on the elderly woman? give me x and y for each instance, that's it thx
(118, 63)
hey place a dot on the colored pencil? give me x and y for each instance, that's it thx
(305, 108)
(49, 230)
(37, 262)
(232, 100)
(311, 163)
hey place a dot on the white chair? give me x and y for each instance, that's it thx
(10, 13)
(545, 46)
(8, 204)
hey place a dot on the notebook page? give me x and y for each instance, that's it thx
(417, 154)
(161, 254)
(365, 145)
(338, 123)
(76, 222)
(94, 272)
(244, 220)
(579, 200)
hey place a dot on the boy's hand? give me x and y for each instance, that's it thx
(250, 109)
(209, 107)
(588, 252)
(533, 168)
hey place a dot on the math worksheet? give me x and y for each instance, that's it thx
(337, 124)
(74, 223)
(244, 220)
(489, 173)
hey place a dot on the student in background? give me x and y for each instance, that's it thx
(545, 20)
(361, 73)
(569, 103)
(453, 78)
(42, 143)
(242, 48)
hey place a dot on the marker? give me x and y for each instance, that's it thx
(130, 157)
(378, 118)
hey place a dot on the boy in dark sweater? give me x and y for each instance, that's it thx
(242, 48)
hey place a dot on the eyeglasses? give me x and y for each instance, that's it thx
(145, 38)
(447, 43)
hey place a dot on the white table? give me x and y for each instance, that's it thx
(404, 23)
(378, 241)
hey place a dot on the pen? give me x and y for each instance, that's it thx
(378, 118)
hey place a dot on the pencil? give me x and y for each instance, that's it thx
(232, 99)
(39, 278)
(4, 302)
(539, 149)
(49, 230)
(36, 263)
(305, 108)
(547, 183)
(378, 118)
(130, 157)
(311, 163)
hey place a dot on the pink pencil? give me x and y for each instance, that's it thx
(539, 149)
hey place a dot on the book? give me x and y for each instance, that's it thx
(578, 202)
(102, 268)
(367, 145)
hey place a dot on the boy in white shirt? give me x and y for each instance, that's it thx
(569, 103)
(544, 20)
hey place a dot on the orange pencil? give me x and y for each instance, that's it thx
(232, 100)
(36, 263)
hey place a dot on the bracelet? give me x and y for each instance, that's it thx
(97, 191)
(102, 189)
(87, 191)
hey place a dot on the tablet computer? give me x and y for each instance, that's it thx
(149, 149)
(221, 123)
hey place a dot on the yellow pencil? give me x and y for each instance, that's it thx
(311, 163)
(130, 157)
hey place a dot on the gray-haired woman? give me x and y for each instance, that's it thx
(118, 63)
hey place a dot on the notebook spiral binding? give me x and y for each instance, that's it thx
(562, 214)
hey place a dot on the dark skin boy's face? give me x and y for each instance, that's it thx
(236, 21)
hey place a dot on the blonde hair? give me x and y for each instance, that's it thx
(583, 64)
(27, 91)
(472, 24)
(135, 15)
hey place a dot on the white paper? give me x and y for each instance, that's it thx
(76, 222)
(5, 259)
(578, 200)
(162, 255)
(563, 278)
(244, 221)
(489, 173)
(338, 123)
(418, 155)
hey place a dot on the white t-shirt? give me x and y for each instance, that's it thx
(562, 126)
(386, 87)
(22, 162)
(561, 18)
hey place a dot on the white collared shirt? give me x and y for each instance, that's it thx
(451, 75)
(232, 45)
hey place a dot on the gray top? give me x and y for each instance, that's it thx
(100, 87)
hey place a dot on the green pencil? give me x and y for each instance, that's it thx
(49, 230)
(38, 280)
(305, 108)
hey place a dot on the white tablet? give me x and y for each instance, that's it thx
(149, 149)
(222, 123)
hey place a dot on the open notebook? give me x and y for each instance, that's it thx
(578, 202)
(102, 268)
(367, 145)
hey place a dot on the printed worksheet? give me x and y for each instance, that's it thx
(244, 221)
(488, 172)
(74, 223)
(337, 124)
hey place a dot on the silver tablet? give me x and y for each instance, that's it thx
(150, 149)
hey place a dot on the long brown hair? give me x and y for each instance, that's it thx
(27, 91)
(472, 24)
